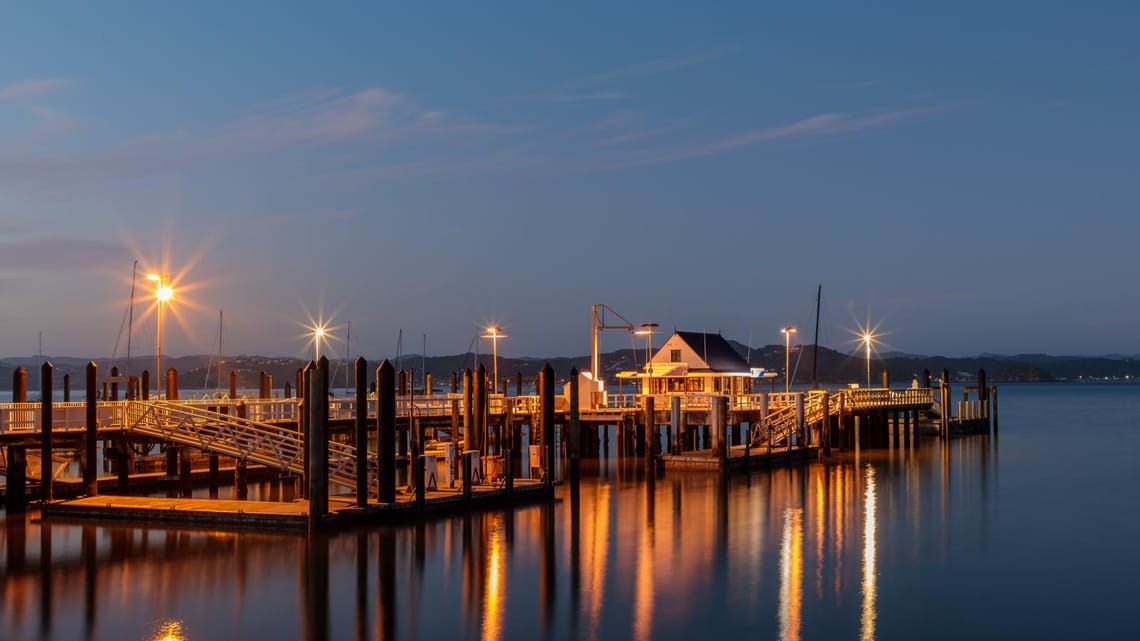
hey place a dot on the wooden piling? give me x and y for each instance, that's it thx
(145, 385)
(575, 420)
(994, 409)
(264, 385)
(468, 411)
(46, 405)
(20, 385)
(114, 384)
(360, 437)
(649, 419)
(675, 426)
(304, 422)
(185, 480)
(547, 404)
(825, 425)
(67, 388)
(172, 384)
(241, 480)
(91, 436)
(886, 378)
(719, 427)
(518, 384)
(318, 479)
(16, 493)
(386, 430)
(479, 409)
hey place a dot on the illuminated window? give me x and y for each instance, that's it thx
(674, 356)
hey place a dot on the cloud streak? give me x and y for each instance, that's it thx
(819, 125)
(570, 98)
(32, 89)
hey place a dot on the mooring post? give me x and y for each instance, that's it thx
(547, 400)
(91, 436)
(944, 396)
(983, 392)
(67, 388)
(304, 422)
(467, 463)
(575, 427)
(720, 426)
(650, 420)
(318, 442)
(114, 384)
(287, 392)
(172, 384)
(468, 411)
(233, 386)
(386, 430)
(20, 385)
(16, 494)
(427, 384)
(479, 411)
(184, 476)
(360, 439)
(265, 386)
(994, 408)
(145, 385)
(801, 428)
(825, 425)
(46, 480)
(886, 378)
(518, 384)
(241, 480)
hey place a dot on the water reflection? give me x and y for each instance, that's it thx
(795, 549)
(169, 631)
(867, 621)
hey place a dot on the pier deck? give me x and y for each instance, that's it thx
(291, 515)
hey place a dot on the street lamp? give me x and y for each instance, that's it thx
(494, 332)
(318, 335)
(788, 331)
(162, 293)
(647, 331)
(867, 340)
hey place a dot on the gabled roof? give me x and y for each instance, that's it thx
(715, 350)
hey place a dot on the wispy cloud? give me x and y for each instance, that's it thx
(659, 65)
(819, 125)
(58, 254)
(32, 89)
(569, 98)
(640, 134)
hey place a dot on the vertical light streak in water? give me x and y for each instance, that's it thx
(495, 599)
(596, 556)
(867, 632)
(791, 575)
(820, 526)
(839, 515)
(643, 596)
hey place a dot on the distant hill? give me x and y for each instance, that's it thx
(833, 367)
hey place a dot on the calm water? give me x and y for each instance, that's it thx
(1033, 535)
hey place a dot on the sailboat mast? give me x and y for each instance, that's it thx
(131, 317)
(815, 346)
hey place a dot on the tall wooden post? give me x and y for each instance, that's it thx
(360, 439)
(114, 384)
(650, 433)
(233, 386)
(91, 436)
(305, 422)
(480, 408)
(518, 384)
(317, 396)
(983, 391)
(994, 408)
(547, 400)
(675, 425)
(468, 411)
(16, 494)
(944, 396)
(265, 386)
(172, 384)
(67, 388)
(144, 385)
(46, 404)
(575, 427)
(801, 429)
(825, 425)
(386, 430)
(886, 378)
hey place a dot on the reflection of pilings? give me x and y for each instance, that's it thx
(88, 552)
(45, 580)
(317, 587)
(361, 633)
(386, 562)
(549, 578)
(575, 557)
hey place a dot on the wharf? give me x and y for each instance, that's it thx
(291, 515)
(739, 458)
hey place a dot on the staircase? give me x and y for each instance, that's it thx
(777, 429)
(240, 438)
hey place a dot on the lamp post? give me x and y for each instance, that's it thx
(647, 331)
(494, 332)
(162, 293)
(788, 331)
(318, 336)
(867, 339)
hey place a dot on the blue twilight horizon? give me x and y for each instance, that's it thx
(961, 175)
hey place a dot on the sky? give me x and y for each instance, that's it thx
(961, 176)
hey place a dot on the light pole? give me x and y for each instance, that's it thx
(318, 336)
(162, 293)
(867, 339)
(494, 332)
(647, 331)
(788, 331)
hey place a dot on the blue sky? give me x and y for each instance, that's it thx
(964, 175)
